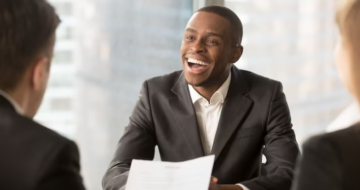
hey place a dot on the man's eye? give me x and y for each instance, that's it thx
(190, 38)
(211, 41)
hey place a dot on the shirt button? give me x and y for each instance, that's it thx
(211, 116)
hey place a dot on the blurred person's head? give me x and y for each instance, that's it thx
(27, 38)
(210, 46)
(348, 47)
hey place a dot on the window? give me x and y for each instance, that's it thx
(64, 33)
(63, 57)
(61, 80)
(64, 8)
(61, 104)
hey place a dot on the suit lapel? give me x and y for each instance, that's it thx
(234, 110)
(185, 117)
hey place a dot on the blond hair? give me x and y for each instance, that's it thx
(348, 21)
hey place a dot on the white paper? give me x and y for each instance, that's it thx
(151, 175)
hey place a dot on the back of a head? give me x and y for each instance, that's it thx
(230, 16)
(27, 28)
(348, 21)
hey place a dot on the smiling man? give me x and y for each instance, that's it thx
(211, 107)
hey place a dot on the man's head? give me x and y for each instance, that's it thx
(27, 37)
(210, 46)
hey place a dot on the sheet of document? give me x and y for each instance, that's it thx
(152, 175)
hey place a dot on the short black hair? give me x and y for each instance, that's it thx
(27, 28)
(230, 16)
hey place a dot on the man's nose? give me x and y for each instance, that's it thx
(198, 46)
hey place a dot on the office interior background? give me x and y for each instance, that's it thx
(106, 48)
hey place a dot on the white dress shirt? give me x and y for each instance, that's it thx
(208, 114)
(12, 102)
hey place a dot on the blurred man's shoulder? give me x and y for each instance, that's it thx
(33, 152)
(350, 135)
(338, 140)
(13, 125)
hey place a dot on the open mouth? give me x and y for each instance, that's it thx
(197, 66)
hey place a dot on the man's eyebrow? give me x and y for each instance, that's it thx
(214, 34)
(190, 30)
(208, 33)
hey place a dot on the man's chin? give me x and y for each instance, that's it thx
(196, 80)
(196, 83)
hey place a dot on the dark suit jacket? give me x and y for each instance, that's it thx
(255, 119)
(33, 157)
(331, 161)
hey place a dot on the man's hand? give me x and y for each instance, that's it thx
(214, 186)
(213, 179)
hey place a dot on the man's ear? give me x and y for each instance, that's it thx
(237, 52)
(40, 73)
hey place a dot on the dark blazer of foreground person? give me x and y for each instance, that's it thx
(33, 156)
(331, 161)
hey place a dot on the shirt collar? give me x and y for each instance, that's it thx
(12, 102)
(218, 96)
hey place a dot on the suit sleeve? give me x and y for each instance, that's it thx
(138, 142)
(63, 170)
(280, 147)
(319, 167)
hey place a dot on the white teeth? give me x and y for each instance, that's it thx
(197, 62)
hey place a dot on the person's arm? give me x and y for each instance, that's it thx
(319, 167)
(281, 149)
(138, 142)
(62, 170)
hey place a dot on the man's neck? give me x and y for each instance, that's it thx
(208, 91)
